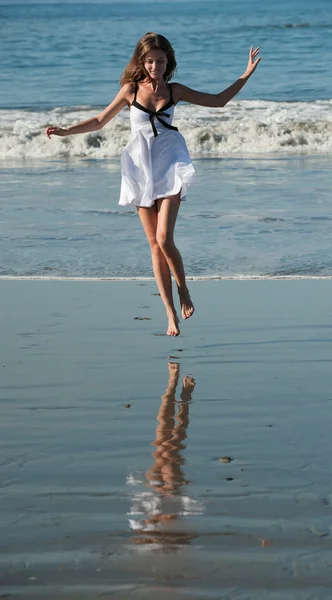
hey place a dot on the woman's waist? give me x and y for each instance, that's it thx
(153, 126)
(146, 126)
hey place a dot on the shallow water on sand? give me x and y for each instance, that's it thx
(112, 435)
(255, 217)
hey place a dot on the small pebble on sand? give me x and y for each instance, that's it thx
(225, 459)
(142, 319)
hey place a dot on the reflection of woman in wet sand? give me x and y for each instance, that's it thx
(166, 473)
(160, 509)
(166, 477)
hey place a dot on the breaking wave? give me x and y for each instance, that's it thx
(241, 128)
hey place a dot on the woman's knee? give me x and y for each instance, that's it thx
(165, 241)
(154, 246)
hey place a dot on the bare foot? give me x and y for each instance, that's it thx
(173, 369)
(188, 383)
(173, 375)
(188, 386)
(187, 307)
(173, 325)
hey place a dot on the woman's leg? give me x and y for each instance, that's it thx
(149, 220)
(167, 209)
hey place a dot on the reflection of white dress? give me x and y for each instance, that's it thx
(155, 163)
(149, 504)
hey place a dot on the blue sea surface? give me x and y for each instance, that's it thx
(72, 53)
(243, 218)
(261, 204)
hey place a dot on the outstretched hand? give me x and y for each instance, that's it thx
(253, 61)
(55, 131)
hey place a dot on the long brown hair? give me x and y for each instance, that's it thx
(135, 71)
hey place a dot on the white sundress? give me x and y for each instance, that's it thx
(155, 163)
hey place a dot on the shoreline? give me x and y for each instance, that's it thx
(188, 277)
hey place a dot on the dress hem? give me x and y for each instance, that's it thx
(141, 205)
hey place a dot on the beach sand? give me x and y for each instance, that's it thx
(110, 488)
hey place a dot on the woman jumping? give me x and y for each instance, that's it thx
(156, 167)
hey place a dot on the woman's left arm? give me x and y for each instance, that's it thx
(185, 94)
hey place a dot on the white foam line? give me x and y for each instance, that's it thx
(190, 278)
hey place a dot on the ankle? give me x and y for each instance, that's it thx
(183, 290)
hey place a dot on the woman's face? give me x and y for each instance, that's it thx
(155, 64)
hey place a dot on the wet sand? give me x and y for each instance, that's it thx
(111, 483)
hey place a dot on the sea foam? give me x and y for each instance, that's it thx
(241, 128)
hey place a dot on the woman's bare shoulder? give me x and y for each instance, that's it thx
(128, 91)
(129, 86)
(176, 91)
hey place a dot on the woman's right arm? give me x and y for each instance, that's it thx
(122, 99)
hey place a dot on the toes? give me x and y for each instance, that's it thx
(173, 333)
(173, 326)
(187, 311)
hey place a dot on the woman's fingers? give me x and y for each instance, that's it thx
(253, 52)
(50, 131)
(254, 56)
(254, 59)
(54, 131)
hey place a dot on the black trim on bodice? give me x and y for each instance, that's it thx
(156, 114)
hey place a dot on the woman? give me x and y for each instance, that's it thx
(156, 168)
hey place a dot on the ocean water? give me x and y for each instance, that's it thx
(261, 205)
